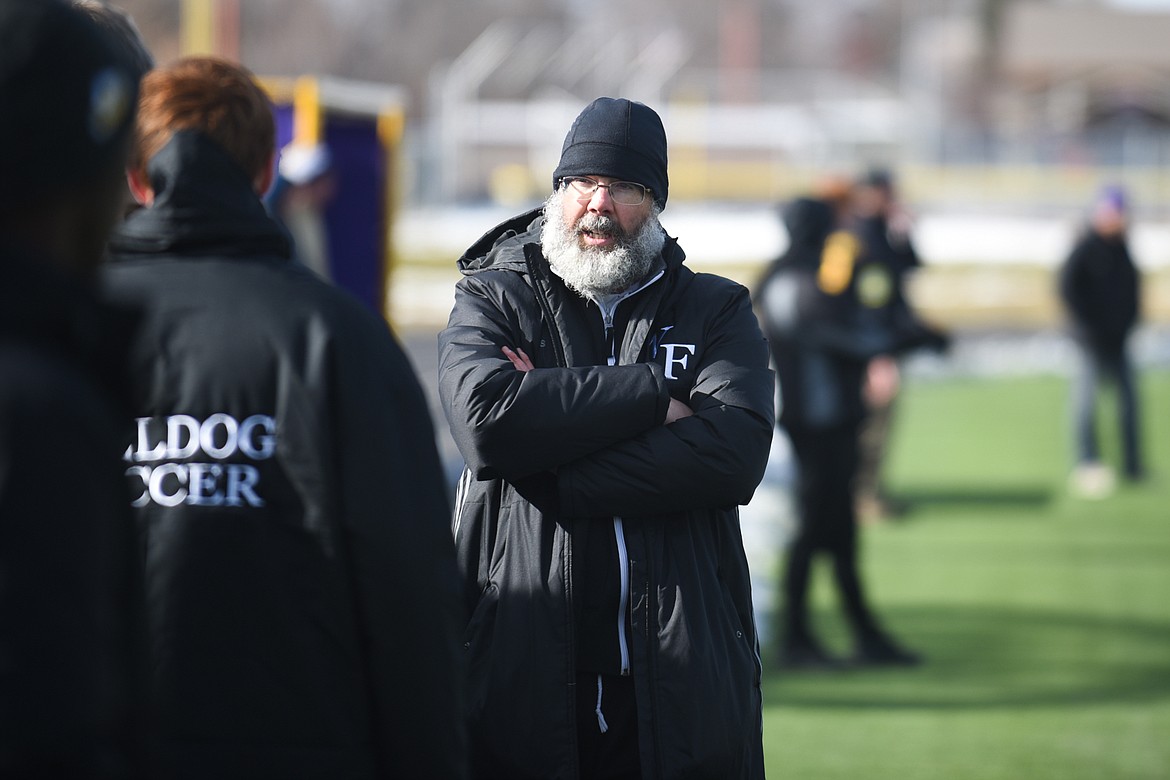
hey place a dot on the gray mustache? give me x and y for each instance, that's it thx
(599, 223)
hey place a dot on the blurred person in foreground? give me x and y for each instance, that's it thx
(1101, 290)
(823, 334)
(121, 31)
(72, 654)
(883, 228)
(613, 408)
(301, 587)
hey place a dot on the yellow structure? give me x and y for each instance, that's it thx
(198, 27)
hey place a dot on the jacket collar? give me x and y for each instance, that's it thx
(204, 204)
(609, 303)
(503, 245)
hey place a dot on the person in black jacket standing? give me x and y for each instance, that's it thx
(889, 257)
(613, 408)
(824, 330)
(72, 653)
(302, 592)
(1101, 290)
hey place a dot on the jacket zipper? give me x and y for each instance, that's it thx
(624, 599)
(618, 529)
(607, 308)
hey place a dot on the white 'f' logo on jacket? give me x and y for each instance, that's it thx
(672, 358)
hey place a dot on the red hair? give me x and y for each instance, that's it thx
(218, 98)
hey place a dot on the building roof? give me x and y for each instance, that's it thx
(1054, 40)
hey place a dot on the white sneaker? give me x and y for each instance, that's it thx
(1092, 480)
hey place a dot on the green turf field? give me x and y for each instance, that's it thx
(1045, 619)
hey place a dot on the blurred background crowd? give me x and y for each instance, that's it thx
(410, 125)
(1004, 126)
(1002, 121)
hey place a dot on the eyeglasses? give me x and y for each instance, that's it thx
(627, 193)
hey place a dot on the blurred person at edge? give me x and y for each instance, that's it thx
(302, 596)
(1101, 290)
(813, 305)
(305, 185)
(613, 408)
(120, 29)
(883, 228)
(72, 650)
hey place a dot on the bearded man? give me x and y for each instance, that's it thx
(613, 409)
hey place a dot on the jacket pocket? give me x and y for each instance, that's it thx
(477, 644)
(741, 640)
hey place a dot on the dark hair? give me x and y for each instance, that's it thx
(121, 31)
(68, 99)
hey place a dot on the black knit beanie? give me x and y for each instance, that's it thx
(68, 99)
(618, 138)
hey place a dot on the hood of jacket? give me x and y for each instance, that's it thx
(809, 222)
(204, 204)
(503, 245)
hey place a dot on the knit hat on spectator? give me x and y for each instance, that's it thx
(68, 99)
(1113, 196)
(617, 138)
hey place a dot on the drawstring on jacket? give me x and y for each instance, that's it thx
(600, 718)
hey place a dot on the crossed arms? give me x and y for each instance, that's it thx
(612, 438)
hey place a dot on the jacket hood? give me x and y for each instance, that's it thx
(204, 203)
(504, 246)
(809, 223)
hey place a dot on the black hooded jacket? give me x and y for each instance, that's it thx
(72, 665)
(301, 581)
(575, 446)
(1101, 290)
(825, 320)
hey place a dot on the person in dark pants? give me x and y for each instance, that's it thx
(1101, 290)
(72, 649)
(816, 323)
(889, 257)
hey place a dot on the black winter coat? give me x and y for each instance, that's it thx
(575, 442)
(829, 305)
(72, 651)
(302, 591)
(1100, 287)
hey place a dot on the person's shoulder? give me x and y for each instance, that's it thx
(262, 293)
(696, 281)
(713, 285)
(260, 282)
(211, 276)
(330, 305)
(508, 287)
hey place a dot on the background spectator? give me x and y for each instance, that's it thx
(1100, 288)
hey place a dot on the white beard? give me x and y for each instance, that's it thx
(594, 271)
